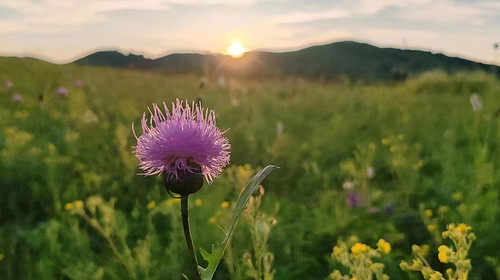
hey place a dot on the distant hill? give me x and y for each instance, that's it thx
(332, 61)
(115, 59)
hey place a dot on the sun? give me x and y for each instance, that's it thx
(236, 50)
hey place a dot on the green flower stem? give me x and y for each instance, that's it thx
(187, 235)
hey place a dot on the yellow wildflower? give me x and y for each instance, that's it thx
(353, 278)
(52, 148)
(68, 206)
(432, 227)
(457, 196)
(151, 205)
(443, 253)
(443, 257)
(224, 205)
(443, 209)
(78, 204)
(463, 228)
(384, 246)
(337, 251)
(428, 212)
(359, 248)
(424, 250)
(198, 202)
(212, 220)
(172, 201)
(443, 248)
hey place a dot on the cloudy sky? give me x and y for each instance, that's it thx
(63, 30)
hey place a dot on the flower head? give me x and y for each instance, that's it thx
(353, 200)
(78, 83)
(17, 98)
(62, 91)
(78, 204)
(475, 101)
(225, 205)
(151, 205)
(443, 253)
(384, 246)
(370, 172)
(348, 185)
(181, 142)
(359, 248)
(428, 213)
(172, 201)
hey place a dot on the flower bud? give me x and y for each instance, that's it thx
(184, 184)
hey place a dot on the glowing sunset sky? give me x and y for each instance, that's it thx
(63, 30)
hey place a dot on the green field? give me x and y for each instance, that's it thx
(403, 148)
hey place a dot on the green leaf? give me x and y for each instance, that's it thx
(215, 256)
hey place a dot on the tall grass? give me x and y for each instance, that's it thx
(427, 147)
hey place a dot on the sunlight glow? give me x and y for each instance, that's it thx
(236, 50)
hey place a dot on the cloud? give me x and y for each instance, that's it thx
(7, 25)
(303, 17)
(369, 7)
(489, 8)
(352, 9)
(397, 34)
(219, 2)
(54, 7)
(52, 16)
(445, 12)
(56, 16)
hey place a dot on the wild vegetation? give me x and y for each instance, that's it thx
(396, 162)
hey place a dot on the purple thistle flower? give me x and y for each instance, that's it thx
(62, 91)
(17, 98)
(183, 141)
(9, 84)
(353, 200)
(78, 83)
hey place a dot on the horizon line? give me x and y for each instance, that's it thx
(264, 49)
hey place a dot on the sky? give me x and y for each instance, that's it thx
(61, 31)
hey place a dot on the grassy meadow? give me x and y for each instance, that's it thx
(397, 161)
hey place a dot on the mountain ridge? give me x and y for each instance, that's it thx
(338, 60)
